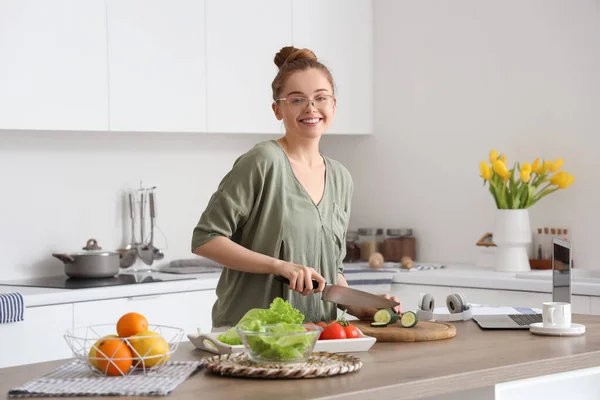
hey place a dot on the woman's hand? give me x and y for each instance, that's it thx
(301, 278)
(368, 313)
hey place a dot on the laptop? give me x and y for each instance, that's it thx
(561, 291)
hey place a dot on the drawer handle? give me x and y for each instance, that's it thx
(139, 298)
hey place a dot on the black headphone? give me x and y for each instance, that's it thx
(456, 303)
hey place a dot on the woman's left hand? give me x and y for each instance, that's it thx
(368, 313)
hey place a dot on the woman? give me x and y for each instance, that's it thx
(283, 209)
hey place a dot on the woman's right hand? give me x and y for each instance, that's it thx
(301, 278)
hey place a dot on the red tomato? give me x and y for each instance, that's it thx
(333, 331)
(351, 331)
(323, 324)
(309, 323)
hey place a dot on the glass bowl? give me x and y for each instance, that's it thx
(280, 343)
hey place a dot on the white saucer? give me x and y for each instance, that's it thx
(539, 329)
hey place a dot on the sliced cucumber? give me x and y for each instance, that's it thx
(409, 319)
(379, 324)
(386, 315)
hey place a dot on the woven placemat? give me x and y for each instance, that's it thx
(320, 364)
(76, 379)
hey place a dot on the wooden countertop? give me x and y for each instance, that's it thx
(475, 358)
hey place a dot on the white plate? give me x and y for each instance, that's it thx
(210, 342)
(539, 329)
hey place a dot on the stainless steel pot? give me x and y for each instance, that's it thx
(91, 263)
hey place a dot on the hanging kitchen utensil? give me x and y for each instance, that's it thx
(144, 250)
(91, 263)
(129, 253)
(158, 255)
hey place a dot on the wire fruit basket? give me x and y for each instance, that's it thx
(107, 354)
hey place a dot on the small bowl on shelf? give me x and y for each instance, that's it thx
(280, 343)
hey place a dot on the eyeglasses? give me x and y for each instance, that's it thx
(322, 102)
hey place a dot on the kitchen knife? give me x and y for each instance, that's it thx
(349, 297)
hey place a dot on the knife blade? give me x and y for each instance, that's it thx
(349, 297)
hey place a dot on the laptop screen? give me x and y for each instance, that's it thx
(561, 271)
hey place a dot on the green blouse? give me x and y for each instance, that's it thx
(261, 205)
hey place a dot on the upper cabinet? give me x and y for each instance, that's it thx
(156, 61)
(53, 65)
(242, 38)
(175, 65)
(340, 32)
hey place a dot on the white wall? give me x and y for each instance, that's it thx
(455, 79)
(61, 188)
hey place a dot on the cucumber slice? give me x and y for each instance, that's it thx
(379, 324)
(386, 315)
(409, 319)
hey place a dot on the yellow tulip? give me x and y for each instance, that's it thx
(562, 180)
(486, 171)
(500, 169)
(569, 181)
(526, 167)
(556, 178)
(556, 165)
(525, 175)
(536, 167)
(503, 159)
(493, 155)
(547, 165)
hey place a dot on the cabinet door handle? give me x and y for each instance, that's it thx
(139, 298)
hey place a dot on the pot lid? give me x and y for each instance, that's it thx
(92, 248)
(93, 253)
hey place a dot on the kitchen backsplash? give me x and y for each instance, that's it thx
(61, 188)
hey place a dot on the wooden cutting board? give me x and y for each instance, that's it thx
(423, 331)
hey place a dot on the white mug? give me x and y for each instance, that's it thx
(556, 315)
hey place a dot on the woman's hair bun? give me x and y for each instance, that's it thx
(290, 53)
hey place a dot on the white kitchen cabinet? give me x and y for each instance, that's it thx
(512, 298)
(340, 32)
(53, 73)
(186, 310)
(595, 305)
(156, 59)
(38, 338)
(242, 38)
(409, 294)
(580, 384)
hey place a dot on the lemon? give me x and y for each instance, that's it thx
(152, 348)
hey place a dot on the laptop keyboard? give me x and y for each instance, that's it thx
(526, 319)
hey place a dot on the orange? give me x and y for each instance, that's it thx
(113, 357)
(131, 323)
(92, 356)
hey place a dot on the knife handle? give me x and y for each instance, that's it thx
(287, 281)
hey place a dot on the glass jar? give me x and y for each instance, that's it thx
(352, 247)
(379, 238)
(367, 243)
(399, 243)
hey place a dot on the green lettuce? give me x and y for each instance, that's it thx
(280, 311)
(279, 348)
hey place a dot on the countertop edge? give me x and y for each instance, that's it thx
(492, 282)
(49, 297)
